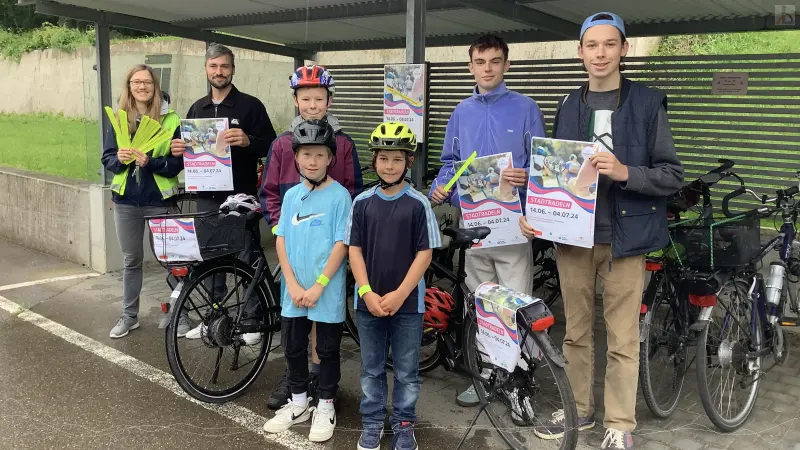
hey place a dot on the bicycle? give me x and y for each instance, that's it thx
(666, 324)
(221, 237)
(733, 294)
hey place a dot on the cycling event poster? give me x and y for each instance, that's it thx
(175, 240)
(562, 189)
(404, 96)
(496, 310)
(207, 159)
(487, 200)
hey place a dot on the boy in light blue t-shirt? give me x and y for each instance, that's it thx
(310, 247)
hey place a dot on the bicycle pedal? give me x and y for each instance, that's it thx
(789, 321)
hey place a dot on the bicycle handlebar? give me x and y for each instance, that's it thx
(781, 194)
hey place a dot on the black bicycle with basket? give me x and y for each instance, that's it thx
(223, 295)
(741, 313)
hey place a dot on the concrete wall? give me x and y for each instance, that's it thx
(46, 214)
(65, 83)
(57, 82)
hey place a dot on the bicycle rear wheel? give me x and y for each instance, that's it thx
(664, 352)
(722, 362)
(536, 392)
(211, 299)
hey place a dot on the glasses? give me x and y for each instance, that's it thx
(137, 83)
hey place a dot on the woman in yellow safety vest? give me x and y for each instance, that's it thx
(144, 184)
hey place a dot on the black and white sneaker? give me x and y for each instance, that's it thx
(290, 414)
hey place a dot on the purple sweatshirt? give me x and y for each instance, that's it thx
(495, 122)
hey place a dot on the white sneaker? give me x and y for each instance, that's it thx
(322, 424)
(251, 338)
(289, 414)
(197, 332)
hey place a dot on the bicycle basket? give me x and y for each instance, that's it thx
(722, 243)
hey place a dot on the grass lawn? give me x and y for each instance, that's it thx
(51, 144)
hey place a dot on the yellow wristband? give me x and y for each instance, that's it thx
(274, 229)
(363, 290)
(323, 280)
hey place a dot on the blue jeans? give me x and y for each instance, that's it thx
(404, 333)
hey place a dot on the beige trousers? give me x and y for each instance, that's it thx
(623, 280)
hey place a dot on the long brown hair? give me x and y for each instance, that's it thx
(128, 103)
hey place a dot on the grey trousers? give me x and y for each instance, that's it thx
(249, 256)
(130, 224)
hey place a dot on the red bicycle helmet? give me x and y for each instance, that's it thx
(438, 307)
(312, 76)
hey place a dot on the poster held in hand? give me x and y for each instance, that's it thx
(207, 159)
(487, 200)
(562, 189)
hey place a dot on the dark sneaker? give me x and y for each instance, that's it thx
(554, 428)
(280, 395)
(617, 440)
(123, 327)
(370, 439)
(403, 438)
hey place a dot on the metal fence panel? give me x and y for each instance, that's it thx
(758, 130)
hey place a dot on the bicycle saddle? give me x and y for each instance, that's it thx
(466, 236)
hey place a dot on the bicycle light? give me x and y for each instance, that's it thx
(181, 271)
(703, 301)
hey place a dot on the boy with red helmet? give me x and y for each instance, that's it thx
(313, 88)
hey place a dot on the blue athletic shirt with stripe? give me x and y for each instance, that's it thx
(390, 232)
(310, 228)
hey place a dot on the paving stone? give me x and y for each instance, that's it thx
(687, 444)
(653, 445)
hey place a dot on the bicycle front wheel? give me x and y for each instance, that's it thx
(532, 395)
(214, 363)
(664, 353)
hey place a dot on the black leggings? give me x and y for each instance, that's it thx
(294, 339)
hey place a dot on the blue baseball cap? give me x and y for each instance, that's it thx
(616, 21)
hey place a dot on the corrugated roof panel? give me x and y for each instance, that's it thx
(323, 32)
(460, 21)
(633, 11)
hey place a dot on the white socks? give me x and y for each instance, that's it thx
(300, 400)
(325, 405)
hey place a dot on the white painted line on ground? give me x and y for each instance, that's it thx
(8, 287)
(239, 414)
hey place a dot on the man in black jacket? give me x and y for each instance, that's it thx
(250, 135)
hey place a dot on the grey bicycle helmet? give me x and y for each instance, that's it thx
(313, 132)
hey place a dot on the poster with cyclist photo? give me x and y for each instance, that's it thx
(207, 159)
(175, 240)
(487, 200)
(496, 309)
(562, 189)
(404, 96)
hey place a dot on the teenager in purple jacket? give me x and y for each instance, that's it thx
(493, 120)
(313, 88)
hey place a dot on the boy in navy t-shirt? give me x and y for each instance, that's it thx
(310, 236)
(392, 232)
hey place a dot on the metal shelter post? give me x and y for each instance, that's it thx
(103, 68)
(415, 54)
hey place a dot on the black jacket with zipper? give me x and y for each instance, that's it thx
(248, 113)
